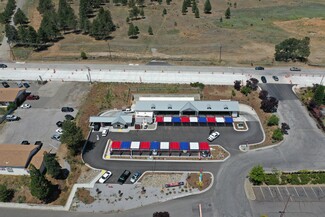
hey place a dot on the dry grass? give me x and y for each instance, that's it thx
(193, 180)
(84, 196)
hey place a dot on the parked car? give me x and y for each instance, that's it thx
(67, 109)
(26, 85)
(59, 131)
(59, 124)
(135, 177)
(69, 117)
(5, 84)
(295, 69)
(25, 142)
(20, 85)
(213, 136)
(12, 118)
(275, 78)
(96, 127)
(105, 177)
(2, 66)
(25, 106)
(104, 133)
(32, 97)
(38, 143)
(263, 79)
(128, 110)
(259, 68)
(124, 176)
(56, 137)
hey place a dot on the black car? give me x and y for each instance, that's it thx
(25, 142)
(69, 117)
(59, 123)
(67, 109)
(26, 85)
(259, 68)
(275, 78)
(38, 143)
(263, 79)
(96, 127)
(2, 66)
(124, 176)
(5, 84)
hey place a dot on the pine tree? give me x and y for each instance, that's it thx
(22, 34)
(194, 6)
(136, 29)
(39, 186)
(124, 2)
(11, 33)
(31, 35)
(72, 136)
(102, 24)
(48, 30)
(197, 13)
(84, 10)
(207, 7)
(228, 13)
(150, 30)
(164, 11)
(20, 17)
(142, 13)
(66, 16)
(52, 165)
(131, 3)
(5, 194)
(184, 7)
(45, 5)
(8, 12)
(133, 31)
(168, 2)
(134, 12)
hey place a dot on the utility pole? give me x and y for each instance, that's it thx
(321, 81)
(89, 75)
(220, 48)
(285, 207)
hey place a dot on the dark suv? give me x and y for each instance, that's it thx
(125, 175)
(259, 68)
(67, 109)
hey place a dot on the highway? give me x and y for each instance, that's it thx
(301, 149)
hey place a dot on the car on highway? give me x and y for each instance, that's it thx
(59, 123)
(5, 84)
(105, 177)
(124, 176)
(59, 131)
(69, 117)
(12, 118)
(38, 143)
(67, 109)
(263, 79)
(26, 85)
(56, 137)
(259, 68)
(135, 176)
(20, 85)
(295, 69)
(2, 66)
(32, 97)
(275, 78)
(213, 136)
(25, 106)
(25, 142)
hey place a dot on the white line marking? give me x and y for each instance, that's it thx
(321, 189)
(279, 192)
(305, 191)
(262, 192)
(289, 194)
(314, 192)
(270, 192)
(296, 191)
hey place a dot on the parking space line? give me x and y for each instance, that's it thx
(270, 192)
(321, 189)
(262, 192)
(279, 192)
(305, 191)
(296, 191)
(314, 192)
(289, 194)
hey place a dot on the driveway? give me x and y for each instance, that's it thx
(38, 122)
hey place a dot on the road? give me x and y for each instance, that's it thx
(301, 149)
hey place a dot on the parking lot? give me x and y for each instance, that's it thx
(39, 122)
(297, 193)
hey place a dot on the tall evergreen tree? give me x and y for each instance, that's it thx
(84, 10)
(197, 13)
(8, 12)
(184, 7)
(52, 165)
(22, 33)
(39, 186)
(319, 95)
(134, 12)
(150, 30)
(207, 7)
(66, 16)
(102, 24)
(72, 136)
(11, 33)
(31, 36)
(20, 17)
(133, 31)
(228, 13)
(49, 28)
(45, 5)
(194, 6)
(142, 13)
(5, 194)
(168, 2)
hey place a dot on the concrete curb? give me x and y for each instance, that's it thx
(248, 187)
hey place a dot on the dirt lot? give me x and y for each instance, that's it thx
(249, 36)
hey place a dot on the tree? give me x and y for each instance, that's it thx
(263, 94)
(228, 13)
(252, 83)
(277, 134)
(197, 13)
(269, 105)
(102, 25)
(134, 12)
(184, 7)
(52, 165)
(150, 30)
(246, 90)
(5, 193)
(66, 16)
(11, 33)
(142, 13)
(84, 10)
(124, 2)
(292, 49)
(257, 175)
(207, 7)
(168, 2)
(194, 6)
(20, 17)
(273, 120)
(72, 136)
(83, 55)
(39, 186)
(237, 85)
(164, 11)
(140, 3)
(31, 36)
(160, 2)
(48, 30)
(131, 3)
(8, 12)
(319, 95)
(45, 5)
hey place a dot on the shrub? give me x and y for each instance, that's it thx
(83, 55)
(257, 175)
(271, 179)
(284, 179)
(246, 90)
(304, 178)
(273, 120)
(295, 179)
(277, 135)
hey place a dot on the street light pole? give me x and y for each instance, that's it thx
(89, 75)
(285, 207)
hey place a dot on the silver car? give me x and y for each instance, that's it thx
(213, 136)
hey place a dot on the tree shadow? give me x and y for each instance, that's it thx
(55, 194)
(89, 146)
(64, 174)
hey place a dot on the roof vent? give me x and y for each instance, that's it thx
(153, 106)
(170, 106)
(208, 106)
(225, 107)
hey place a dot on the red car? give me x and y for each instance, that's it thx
(32, 97)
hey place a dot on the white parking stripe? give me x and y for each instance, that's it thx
(270, 192)
(321, 189)
(314, 192)
(279, 192)
(305, 191)
(262, 192)
(296, 191)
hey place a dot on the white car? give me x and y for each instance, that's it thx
(135, 177)
(105, 176)
(25, 106)
(104, 133)
(59, 131)
(128, 110)
(213, 136)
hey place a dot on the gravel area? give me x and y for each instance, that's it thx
(160, 179)
(88, 175)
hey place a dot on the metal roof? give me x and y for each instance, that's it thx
(122, 119)
(219, 106)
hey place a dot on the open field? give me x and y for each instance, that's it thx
(248, 37)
